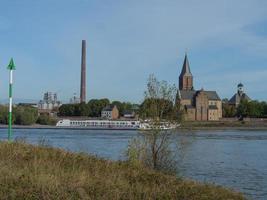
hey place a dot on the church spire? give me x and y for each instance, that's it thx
(186, 77)
(186, 68)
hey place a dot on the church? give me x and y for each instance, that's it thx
(239, 96)
(198, 105)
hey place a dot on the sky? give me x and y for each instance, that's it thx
(226, 43)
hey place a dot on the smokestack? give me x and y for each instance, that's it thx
(83, 73)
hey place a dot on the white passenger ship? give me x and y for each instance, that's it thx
(113, 124)
(100, 124)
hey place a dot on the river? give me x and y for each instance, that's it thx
(232, 158)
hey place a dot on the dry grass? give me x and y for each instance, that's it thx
(30, 172)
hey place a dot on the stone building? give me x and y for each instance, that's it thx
(198, 105)
(110, 112)
(240, 95)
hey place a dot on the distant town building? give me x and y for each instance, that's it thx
(49, 102)
(198, 105)
(240, 95)
(110, 112)
(129, 114)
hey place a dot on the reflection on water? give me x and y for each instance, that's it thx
(236, 159)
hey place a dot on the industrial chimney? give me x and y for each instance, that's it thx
(83, 73)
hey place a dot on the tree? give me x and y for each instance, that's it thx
(228, 110)
(25, 115)
(66, 110)
(4, 115)
(152, 148)
(251, 109)
(123, 106)
(96, 106)
(264, 107)
(81, 109)
(243, 109)
(146, 108)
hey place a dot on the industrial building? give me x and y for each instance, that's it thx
(49, 102)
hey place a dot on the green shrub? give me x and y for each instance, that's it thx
(4, 114)
(46, 120)
(25, 115)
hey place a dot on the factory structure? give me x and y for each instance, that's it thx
(82, 97)
(49, 104)
(83, 73)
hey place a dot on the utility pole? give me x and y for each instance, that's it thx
(10, 67)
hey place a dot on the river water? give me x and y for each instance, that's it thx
(235, 159)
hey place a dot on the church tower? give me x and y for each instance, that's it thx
(186, 77)
(240, 89)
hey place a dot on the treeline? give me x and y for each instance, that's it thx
(246, 108)
(24, 115)
(93, 108)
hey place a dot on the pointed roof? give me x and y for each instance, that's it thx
(238, 97)
(186, 68)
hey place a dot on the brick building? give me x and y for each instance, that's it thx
(198, 105)
(110, 112)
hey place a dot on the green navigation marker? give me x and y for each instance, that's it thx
(10, 67)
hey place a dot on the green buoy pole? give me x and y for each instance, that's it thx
(10, 67)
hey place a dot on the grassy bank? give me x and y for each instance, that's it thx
(29, 172)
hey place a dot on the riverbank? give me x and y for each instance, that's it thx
(224, 125)
(31, 172)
